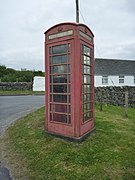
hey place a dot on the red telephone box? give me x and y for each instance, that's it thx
(69, 67)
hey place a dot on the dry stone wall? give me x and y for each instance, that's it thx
(15, 86)
(108, 95)
(115, 95)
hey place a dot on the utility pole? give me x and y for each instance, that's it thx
(77, 11)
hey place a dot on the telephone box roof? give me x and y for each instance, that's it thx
(69, 23)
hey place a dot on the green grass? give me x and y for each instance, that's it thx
(108, 154)
(20, 92)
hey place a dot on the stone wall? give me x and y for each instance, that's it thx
(109, 95)
(15, 86)
(115, 95)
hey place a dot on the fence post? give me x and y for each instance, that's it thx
(101, 101)
(126, 103)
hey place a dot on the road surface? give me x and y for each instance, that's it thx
(15, 107)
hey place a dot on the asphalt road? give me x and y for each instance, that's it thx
(15, 107)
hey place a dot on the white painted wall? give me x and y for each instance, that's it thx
(39, 83)
(114, 81)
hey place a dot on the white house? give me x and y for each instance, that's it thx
(114, 72)
(39, 83)
(107, 72)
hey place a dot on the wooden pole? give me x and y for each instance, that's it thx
(101, 101)
(126, 103)
(77, 11)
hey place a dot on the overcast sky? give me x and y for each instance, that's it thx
(23, 23)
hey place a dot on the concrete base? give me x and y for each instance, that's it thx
(72, 139)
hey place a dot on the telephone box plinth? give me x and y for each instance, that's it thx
(69, 67)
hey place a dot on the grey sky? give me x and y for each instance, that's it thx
(23, 23)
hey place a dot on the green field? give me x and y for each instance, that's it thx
(108, 154)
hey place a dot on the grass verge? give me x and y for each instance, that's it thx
(108, 154)
(21, 92)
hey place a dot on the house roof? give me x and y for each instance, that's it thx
(114, 67)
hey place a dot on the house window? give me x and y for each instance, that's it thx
(121, 79)
(104, 79)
